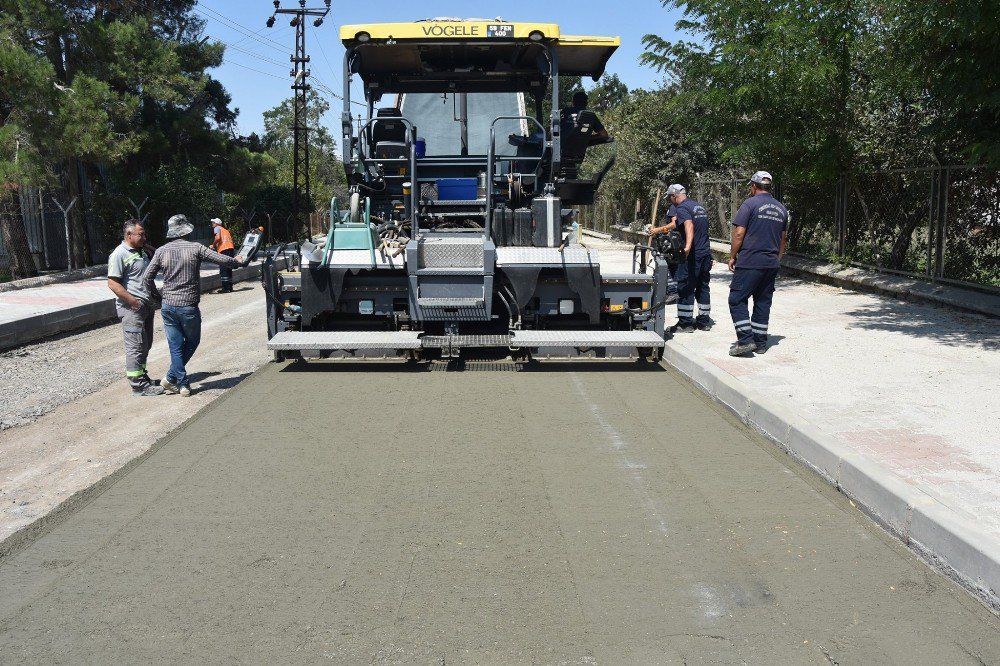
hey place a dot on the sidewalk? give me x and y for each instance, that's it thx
(30, 314)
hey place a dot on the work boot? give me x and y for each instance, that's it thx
(141, 389)
(682, 328)
(760, 348)
(146, 377)
(168, 386)
(737, 349)
(704, 325)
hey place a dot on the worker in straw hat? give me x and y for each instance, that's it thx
(179, 261)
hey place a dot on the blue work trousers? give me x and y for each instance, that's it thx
(756, 283)
(182, 326)
(226, 272)
(671, 278)
(693, 275)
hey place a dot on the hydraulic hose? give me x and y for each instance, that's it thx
(513, 301)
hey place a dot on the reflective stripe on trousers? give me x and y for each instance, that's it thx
(758, 284)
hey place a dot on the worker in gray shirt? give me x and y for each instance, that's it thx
(179, 260)
(133, 304)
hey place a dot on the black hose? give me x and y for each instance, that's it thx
(510, 310)
(513, 301)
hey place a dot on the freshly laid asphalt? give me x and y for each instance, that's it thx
(566, 513)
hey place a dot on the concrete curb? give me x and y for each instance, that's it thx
(947, 539)
(30, 329)
(55, 278)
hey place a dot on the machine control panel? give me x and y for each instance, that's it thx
(251, 245)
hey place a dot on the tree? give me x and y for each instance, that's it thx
(12, 233)
(122, 85)
(25, 89)
(326, 173)
(952, 50)
(608, 93)
(775, 80)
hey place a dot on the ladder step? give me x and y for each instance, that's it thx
(463, 341)
(470, 270)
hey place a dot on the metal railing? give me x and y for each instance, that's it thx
(940, 223)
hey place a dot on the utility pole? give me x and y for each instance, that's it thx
(300, 84)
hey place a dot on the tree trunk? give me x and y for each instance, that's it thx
(80, 245)
(901, 246)
(15, 240)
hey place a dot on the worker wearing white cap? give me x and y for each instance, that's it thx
(223, 244)
(760, 233)
(694, 272)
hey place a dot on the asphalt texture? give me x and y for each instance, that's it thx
(380, 513)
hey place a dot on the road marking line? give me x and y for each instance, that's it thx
(619, 447)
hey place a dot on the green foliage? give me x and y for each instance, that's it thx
(326, 173)
(608, 93)
(954, 51)
(775, 81)
(815, 90)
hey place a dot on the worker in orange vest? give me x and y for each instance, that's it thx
(223, 244)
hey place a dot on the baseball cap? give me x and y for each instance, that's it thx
(676, 188)
(216, 220)
(761, 178)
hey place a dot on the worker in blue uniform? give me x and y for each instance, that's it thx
(760, 234)
(694, 273)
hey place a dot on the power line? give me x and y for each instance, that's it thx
(319, 43)
(254, 55)
(241, 30)
(233, 62)
(245, 29)
(322, 87)
(257, 34)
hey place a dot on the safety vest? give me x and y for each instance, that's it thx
(223, 240)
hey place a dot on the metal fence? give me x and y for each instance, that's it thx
(45, 227)
(941, 224)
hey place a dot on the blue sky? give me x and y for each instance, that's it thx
(256, 69)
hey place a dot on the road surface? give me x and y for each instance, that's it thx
(562, 513)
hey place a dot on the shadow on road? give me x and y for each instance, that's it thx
(198, 376)
(225, 383)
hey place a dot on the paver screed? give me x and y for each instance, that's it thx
(384, 513)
